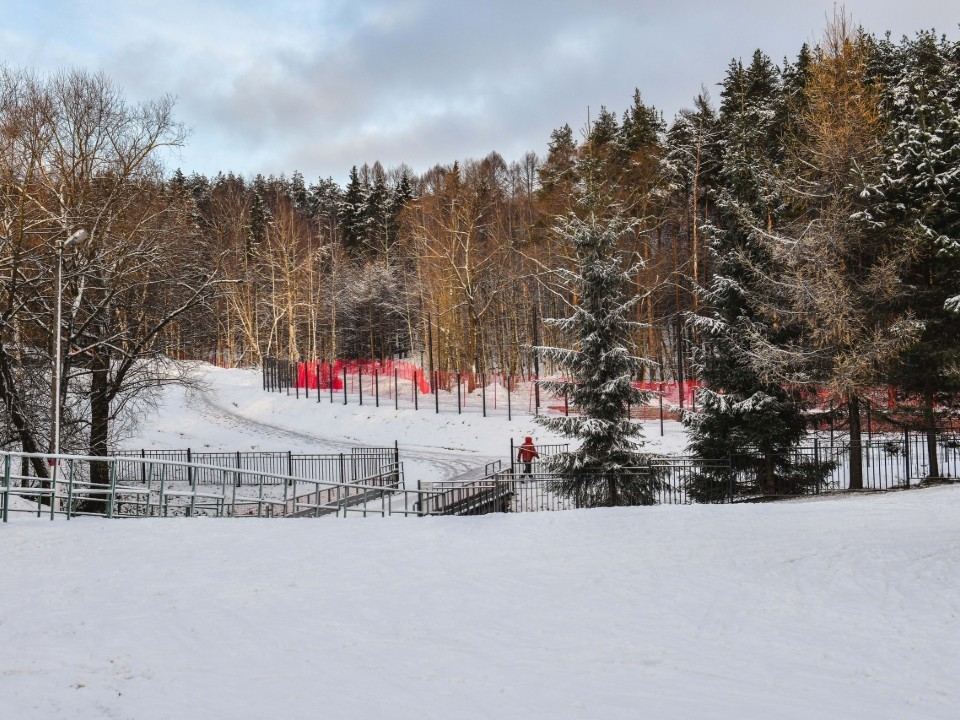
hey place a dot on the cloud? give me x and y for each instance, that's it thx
(321, 86)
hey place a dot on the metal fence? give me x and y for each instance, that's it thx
(132, 486)
(333, 467)
(398, 384)
(369, 481)
(888, 462)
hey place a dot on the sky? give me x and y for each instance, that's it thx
(321, 85)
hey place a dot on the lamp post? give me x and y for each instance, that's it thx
(76, 237)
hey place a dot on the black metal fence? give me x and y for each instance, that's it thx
(887, 462)
(349, 467)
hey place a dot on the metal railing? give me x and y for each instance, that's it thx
(150, 486)
(331, 467)
(122, 486)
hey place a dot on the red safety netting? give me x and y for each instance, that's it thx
(369, 376)
(406, 384)
(327, 375)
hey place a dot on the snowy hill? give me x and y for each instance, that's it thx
(842, 607)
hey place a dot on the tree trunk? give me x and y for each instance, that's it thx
(856, 444)
(768, 485)
(99, 430)
(613, 494)
(19, 417)
(930, 427)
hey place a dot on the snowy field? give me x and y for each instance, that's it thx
(825, 608)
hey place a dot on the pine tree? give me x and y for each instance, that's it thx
(376, 215)
(297, 193)
(600, 364)
(743, 415)
(351, 212)
(918, 197)
(642, 126)
(835, 282)
(260, 217)
(559, 172)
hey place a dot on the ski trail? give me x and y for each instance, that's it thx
(447, 464)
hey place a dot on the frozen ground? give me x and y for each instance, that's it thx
(830, 608)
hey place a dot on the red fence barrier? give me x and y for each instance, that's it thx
(403, 383)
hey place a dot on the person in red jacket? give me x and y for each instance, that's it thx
(525, 454)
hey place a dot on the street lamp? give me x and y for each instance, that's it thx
(78, 236)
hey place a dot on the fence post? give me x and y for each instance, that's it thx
(509, 411)
(70, 477)
(730, 475)
(416, 403)
(113, 491)
(566, 403)
(661, 409)
(483, 392)
(458, 394)
(906, 456)
(193, 496)
(189, 467)
(513, 458)
(6, 484)
(396, 389)
(289, 467)
(396, 464)
(296, 378)
(816, 457)
(306, 380)
(436, 390)
(330, 373)
(237, 483)
(344, 384)
(318, 382)
(376, 388)
(360, 380)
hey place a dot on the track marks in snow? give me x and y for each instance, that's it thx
(448, 462)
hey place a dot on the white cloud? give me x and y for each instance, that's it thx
(321, 86)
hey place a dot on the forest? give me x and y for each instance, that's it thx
(797, 234)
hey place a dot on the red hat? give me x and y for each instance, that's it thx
(528, 439)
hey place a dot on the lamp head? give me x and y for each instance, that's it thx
(78, 236)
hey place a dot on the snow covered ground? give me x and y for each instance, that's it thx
(233, 412)
(843, 607)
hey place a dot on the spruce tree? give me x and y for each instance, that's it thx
(834, 283)
(351, 211)
(917, 201)
(600, 363)
(558, 173)
(743, 416)
(260, 217)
